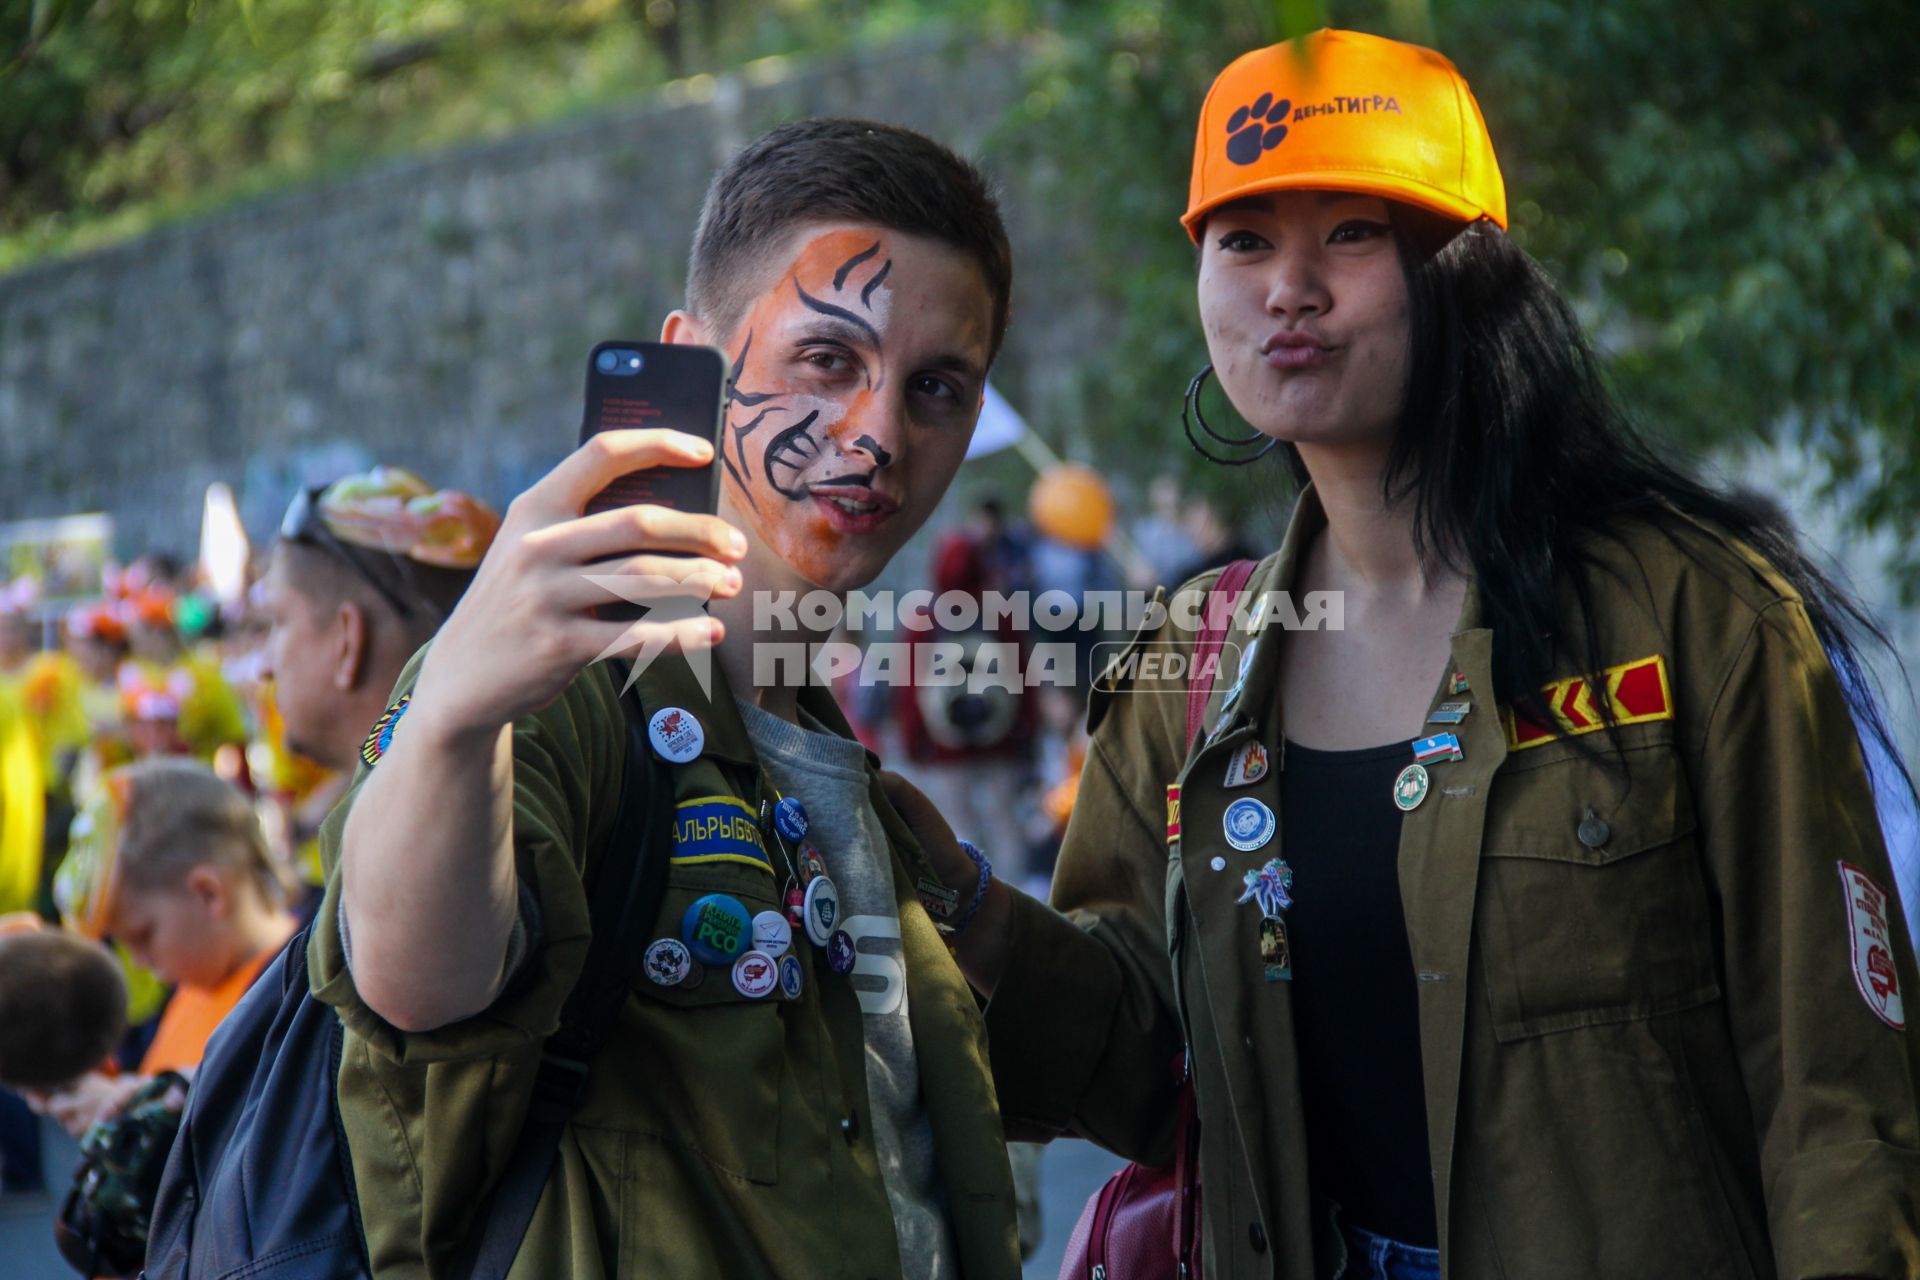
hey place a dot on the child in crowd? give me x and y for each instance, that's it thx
(63, 1005)
(172, 862)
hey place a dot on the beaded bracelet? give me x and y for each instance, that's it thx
(972, 850)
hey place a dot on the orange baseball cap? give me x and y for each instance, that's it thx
(1345, 111)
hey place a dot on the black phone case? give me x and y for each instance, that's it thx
(678, 386)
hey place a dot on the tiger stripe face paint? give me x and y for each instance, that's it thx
(857, 377)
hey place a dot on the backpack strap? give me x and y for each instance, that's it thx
(1215, 620)
(1217, 617)
(625, 896)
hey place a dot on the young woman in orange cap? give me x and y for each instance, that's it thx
(1551, 936)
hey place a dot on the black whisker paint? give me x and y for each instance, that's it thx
(792, 440)
(866, 294)
(838, 313)
(840, 276)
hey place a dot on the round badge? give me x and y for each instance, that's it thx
(1249, 824)
(668, 962)
(772, 934)
(790, 977)
(790, 818)
(676, 734)
(716, 929)
(1410, 788)
(822, 910)
(1239, 677)
(840, 952)
(1218, 863)
(755, 974)
(696, 974)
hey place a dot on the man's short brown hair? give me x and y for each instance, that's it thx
(836, 170)
(63, 1007)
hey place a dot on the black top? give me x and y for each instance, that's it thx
(1355, 1003)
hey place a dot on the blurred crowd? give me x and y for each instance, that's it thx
(166, 758)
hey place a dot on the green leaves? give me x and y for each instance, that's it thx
(1731, 194)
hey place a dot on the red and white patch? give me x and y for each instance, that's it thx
(1249, 764)
(1871, 937)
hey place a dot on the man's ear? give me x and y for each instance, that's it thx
(209, 888)
(682, 326)
(350, 642)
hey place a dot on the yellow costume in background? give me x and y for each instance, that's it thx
(23, 804)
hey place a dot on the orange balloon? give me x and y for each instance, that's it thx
(1070, 503)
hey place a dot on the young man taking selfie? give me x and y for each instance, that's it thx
(832, 1115)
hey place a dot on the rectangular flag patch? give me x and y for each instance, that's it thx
(1441, 746)
(1173, 812)
(1871, 937)
(717, 829)
(1638, 690)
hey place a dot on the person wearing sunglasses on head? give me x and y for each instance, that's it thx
(1536, 922)
(364, 572)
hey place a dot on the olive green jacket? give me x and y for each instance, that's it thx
(719, 1135)
(1649, 1052)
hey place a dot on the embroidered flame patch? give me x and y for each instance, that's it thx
(1639, 692)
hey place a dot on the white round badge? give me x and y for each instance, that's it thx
(772, 934)
(822, 910)
(1249, 824)
(676, 734)
(755, 974)
(668, 962)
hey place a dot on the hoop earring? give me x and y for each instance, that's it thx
(1190, 413)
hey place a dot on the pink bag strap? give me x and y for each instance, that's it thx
(1215, 620)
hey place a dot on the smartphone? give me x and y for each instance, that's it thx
(656, 384)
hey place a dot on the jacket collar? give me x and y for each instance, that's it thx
(1258, 703)
(670, 681)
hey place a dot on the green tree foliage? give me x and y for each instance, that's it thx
(1735, 192)
(116, 112)
(1732, 194)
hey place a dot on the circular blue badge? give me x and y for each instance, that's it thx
(790, 818)
(716, 929)
(790, 977)
(1249, 824)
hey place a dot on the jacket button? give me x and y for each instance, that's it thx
(1593, 830)
(1257, 1238)
(850, 1127)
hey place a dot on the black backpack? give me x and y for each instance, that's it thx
(259, 1183)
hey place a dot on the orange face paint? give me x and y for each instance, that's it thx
(825, 398)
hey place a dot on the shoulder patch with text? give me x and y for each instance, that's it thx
(1638, 691)
(717, 829)
(382, 735)
(1870, 936)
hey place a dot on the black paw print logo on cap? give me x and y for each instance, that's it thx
(1257, 128)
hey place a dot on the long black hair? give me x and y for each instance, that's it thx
(1513, 452)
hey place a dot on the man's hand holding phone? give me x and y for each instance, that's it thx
(427, 855)
(526, 625)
